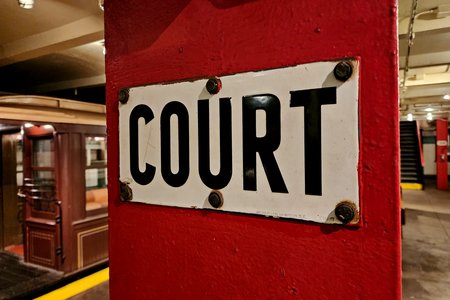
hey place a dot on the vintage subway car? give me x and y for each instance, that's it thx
(53, 200)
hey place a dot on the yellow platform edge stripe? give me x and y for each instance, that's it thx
(78, 286)
(411, 186)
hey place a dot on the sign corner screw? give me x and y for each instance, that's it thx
(124, 94)
(345, 212)
(343, 70)
(126, 193)
(213, 85)
(215, 198)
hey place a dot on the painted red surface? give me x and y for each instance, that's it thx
(419, 135)
(441, 154)
(160, 252)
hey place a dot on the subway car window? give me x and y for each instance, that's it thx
(19, 160)
(43, 191)
(43, 155)
(96, 173)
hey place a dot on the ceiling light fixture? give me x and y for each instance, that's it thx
(429, 109)
(446, 97)
(409, 117)
(27, 4)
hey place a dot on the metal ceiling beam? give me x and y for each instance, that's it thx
(426, 100)
(83, 31)
(426, 91)
(68, 84)
(426, 60)
(422, 25)
(429, 48)
(428, 79)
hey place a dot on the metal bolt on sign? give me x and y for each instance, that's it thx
(345, 212)
(124, 94)
(213, 85)
(126, 193)
(343, 71)
(215, 199)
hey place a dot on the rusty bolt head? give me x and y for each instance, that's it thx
(213, 85)
(126, 193)
(215, 199)
(344, 212)
(124, 94)
(343, 71)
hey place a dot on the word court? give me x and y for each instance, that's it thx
(280, 142)
(311, 100)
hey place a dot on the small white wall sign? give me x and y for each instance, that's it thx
(280, 143)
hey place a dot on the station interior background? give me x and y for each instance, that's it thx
(56, 48)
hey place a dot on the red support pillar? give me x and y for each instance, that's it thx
(161, 252)
(442, 154)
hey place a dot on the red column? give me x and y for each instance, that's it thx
(160, 252)
(441, 154)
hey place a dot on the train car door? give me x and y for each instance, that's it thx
(42, 209)
(11, 208)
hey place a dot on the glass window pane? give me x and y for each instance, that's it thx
(95, 151)
(19, 153)
(19, 179)
(41, 189)
(44, 177)
(96, 198)
(96, 174)
(96, 178)
(19, 160)
(43, 153)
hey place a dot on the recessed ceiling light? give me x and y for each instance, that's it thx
(101, 4)
(409, 117)
(429, 109)
(47, 126)
(27, 4)
(446, 97)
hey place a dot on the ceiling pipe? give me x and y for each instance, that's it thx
(413, 17)
(410, 40)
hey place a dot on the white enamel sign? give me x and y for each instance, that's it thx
(280, 143)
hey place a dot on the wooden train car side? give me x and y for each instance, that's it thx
(54, 158)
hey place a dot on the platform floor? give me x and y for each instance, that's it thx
(426, 254)
(426, 247)
(426, 244)
(99, 292)
(18, 279)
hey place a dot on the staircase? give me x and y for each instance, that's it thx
(411, 157)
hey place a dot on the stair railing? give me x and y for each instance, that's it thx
(419, 136)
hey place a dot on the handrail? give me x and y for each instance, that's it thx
(422, 160)
(59, 220)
